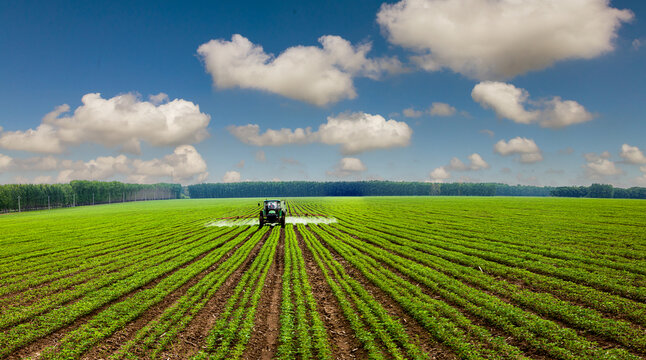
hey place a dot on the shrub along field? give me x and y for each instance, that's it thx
(393, 278)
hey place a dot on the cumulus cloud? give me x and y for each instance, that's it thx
(527, 149)
(347, 166)
(184, 165)
(412, 113)
(122, 121)
(44, 139)
(476, 162)
(159, 98)
(250, 134)
(318, 75)
(520, 36)
(632, 154)
(600, 165)
(231, 177)
(356, 133)
(509, 102)
(5, 162)
(441, 109)
(439, 174)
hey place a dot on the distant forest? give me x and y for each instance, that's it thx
(391, 188)
(44, 196)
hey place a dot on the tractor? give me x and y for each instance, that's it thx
(273, 212)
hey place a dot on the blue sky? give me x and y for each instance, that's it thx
(557, 97)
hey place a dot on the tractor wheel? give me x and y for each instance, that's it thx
(261, 221)
(282, 222)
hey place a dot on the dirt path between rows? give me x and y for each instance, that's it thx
(416, 332)
(190, 340)
(34, 349)
(264, 337)
(344, 343)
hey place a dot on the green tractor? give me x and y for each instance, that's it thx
(273, 212)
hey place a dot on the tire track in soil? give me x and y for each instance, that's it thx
(344, 344)
(264, 336)
(113, 343)
(189, 340)
(415, 330)
(523, 346)
(34, 349)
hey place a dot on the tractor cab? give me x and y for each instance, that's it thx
(273, 212)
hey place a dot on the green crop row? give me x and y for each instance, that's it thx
(301, 327)
(117, 315)
(158, 333)
(543, 335)
(24, 333)
(366, 315)
(231, 332)
(586, 319)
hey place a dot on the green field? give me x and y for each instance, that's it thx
(393, 278)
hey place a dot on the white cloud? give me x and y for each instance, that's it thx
(184, 165)
(487, 132)
(508, 101)
(476, 162)
(122, 121)
(39, 163)
(356, 133)
(527, 149)
(412, 113)
(457, 164)
(637, 43)
(501, 39)
(231, 177)
(643, 169)
(44, 139)
(352, 164)
(441, 109)
(361, 132)
(632, 154)
(439, 174)
(599, 165)
(558, 113)
(250, 134)
(318, 75)
(158, 99)
(347, 166)
(505, 99)
(5, 162)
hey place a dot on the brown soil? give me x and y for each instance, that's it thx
(342, 339)
(114, 342)
(416, 332)
(189, 341)
(264, 337)
(34, 349)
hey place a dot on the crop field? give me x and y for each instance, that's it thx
(376, 278)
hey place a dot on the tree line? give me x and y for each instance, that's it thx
(393, 188)
(599, 191)
(360, 188)
(80, 192)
